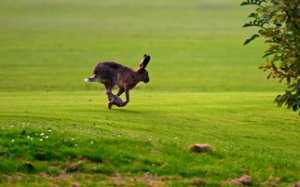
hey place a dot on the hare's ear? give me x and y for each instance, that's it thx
(145, 61)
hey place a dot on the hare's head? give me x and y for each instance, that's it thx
(142, 72)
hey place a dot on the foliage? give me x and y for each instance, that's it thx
(278, 22)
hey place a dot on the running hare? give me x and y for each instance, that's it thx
(112, 74)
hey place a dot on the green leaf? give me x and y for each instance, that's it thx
(255, 23)
(252, 2)
(253, 15)
(253, 37)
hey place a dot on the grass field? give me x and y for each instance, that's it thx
(204, 88)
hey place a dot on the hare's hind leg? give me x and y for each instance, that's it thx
(110, 96)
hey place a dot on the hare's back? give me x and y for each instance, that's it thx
(107, 71)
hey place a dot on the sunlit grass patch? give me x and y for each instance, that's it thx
(45, 150)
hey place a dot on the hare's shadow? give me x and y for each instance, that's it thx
(119, 110)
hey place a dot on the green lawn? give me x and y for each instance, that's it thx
(204, 88)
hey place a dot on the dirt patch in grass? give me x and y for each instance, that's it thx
(153, 180)
(244, 180)
(297, 184)
(147, 179)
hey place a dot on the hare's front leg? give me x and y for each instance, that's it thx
(127, 99)
(120, 92)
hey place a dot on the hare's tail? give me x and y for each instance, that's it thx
(90, 79)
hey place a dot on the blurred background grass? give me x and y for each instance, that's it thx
(196, 45)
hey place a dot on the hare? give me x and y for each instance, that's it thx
(112, 74)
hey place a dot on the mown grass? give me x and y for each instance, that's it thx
(204, 88)
(150, 136)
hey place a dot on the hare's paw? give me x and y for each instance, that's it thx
(118, 101)
(109, 105)
(115, 100)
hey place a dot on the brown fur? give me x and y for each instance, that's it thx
(112, 74)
